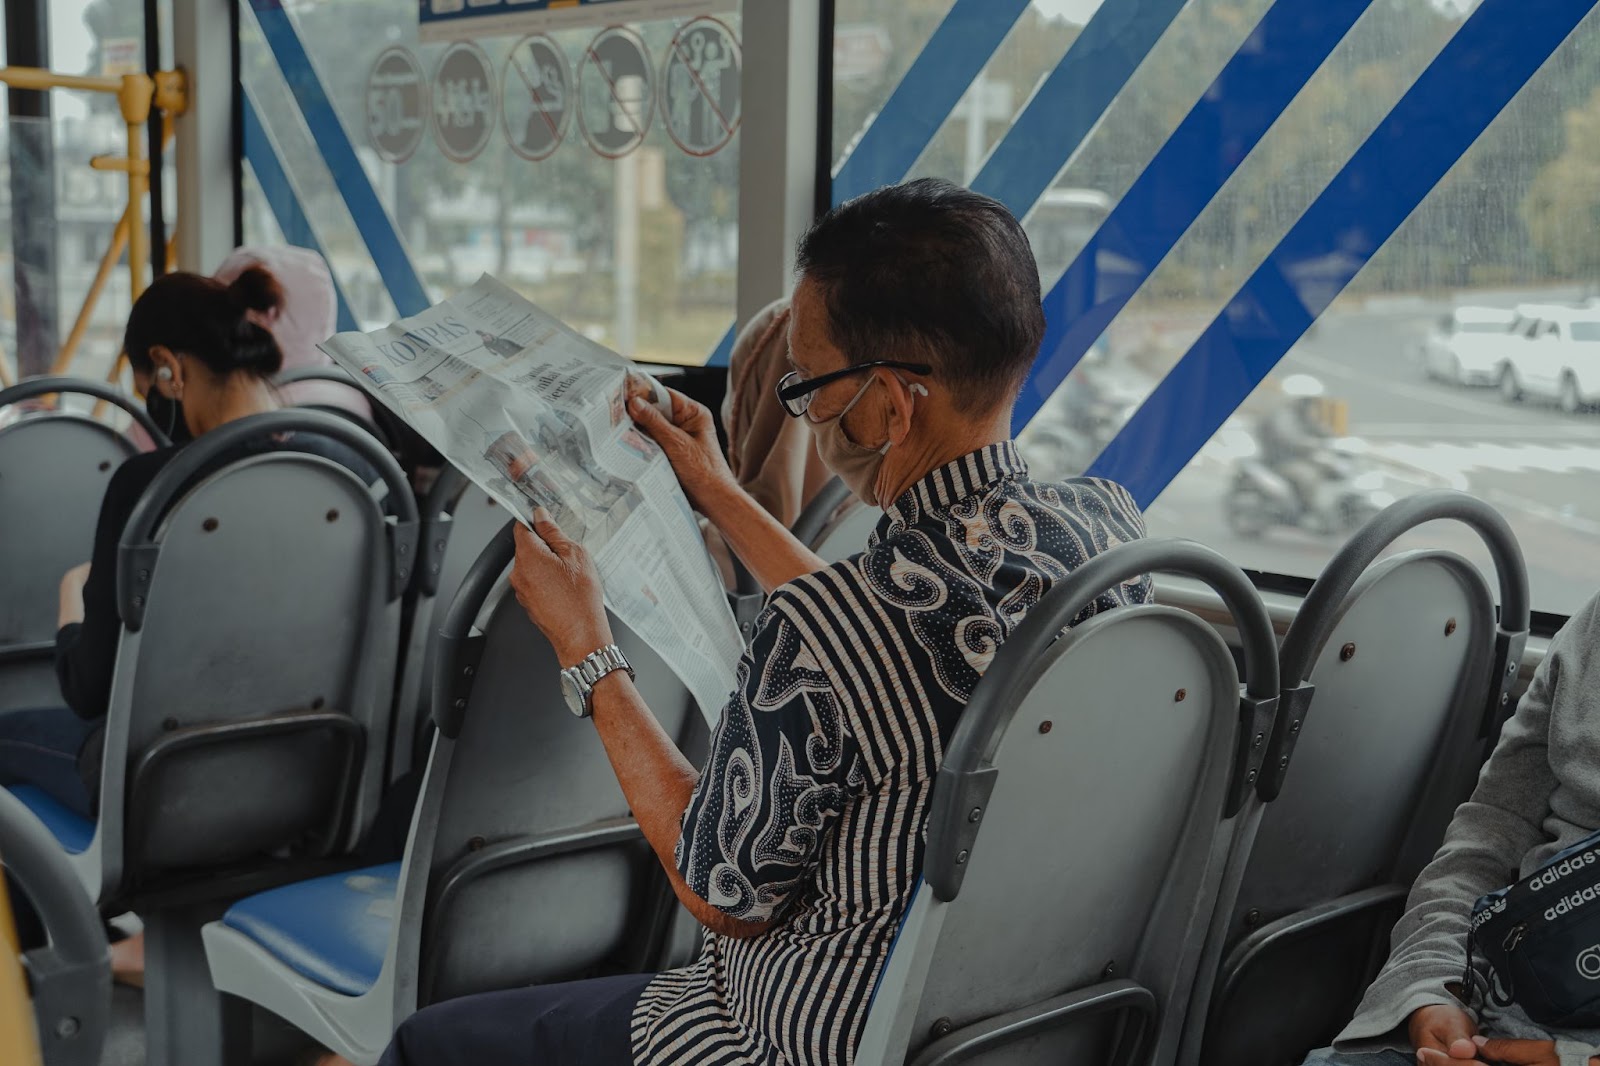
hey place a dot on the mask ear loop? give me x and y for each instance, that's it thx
(916, 388)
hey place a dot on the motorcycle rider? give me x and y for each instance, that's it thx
(1295, 439)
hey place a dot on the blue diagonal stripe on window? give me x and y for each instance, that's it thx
(372, 221)
(281, 197)
(1492, 56)
(947, 66)
(1270, 68)
(918, 106)
(1067, 104)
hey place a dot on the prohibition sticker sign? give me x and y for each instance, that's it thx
(616, 86)
(397, 101)
(536, 97)
(700, 78)
(463, 102)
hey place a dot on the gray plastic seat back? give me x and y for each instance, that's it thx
(1399, 685)
(1396, 681)
(1389, 748)
(834, 524)
(1097, 832)
(260, 613)
(1079, 827)
(459, 519)
(54, 469)
(847, 534)
(537, 870)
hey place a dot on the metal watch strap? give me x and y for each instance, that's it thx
(598, 664)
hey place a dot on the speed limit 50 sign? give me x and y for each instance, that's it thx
(397, 104)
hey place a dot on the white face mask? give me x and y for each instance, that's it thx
(857, 465)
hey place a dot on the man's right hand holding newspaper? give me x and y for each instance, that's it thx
(689, 439)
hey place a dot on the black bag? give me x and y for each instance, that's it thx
(1541, 939)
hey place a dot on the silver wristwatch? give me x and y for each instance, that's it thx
(577, 682)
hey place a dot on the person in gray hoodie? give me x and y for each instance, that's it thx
(1538, 794)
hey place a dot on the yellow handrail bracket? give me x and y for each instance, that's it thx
(138, 95)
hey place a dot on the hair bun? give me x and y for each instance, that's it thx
(255, 289)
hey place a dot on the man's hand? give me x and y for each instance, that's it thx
(557, 584)
(1443, 1034)
(1520, 1052)
(689, 439)
(70, 607)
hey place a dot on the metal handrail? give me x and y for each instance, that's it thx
(137, 95)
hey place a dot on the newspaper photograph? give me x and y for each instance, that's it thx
(534, 413)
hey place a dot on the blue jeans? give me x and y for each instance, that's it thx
(1329, 1057)
(40, 747)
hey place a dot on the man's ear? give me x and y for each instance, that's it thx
(900, 399)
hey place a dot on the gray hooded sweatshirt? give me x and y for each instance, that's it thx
(1538, 794)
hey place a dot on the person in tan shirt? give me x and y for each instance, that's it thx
(771, 455)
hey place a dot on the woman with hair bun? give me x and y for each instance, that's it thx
(202, 356)
(307, 316)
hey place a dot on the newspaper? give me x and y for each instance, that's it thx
(534, 413)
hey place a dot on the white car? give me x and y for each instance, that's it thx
(1555, 355)
(1468, 346)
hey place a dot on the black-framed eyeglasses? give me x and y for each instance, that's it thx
(795, 392)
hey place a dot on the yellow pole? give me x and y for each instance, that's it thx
(19, 1037)
(138, 91)
(6, 380)
(113, 378)
(41, 80)
(108, 262)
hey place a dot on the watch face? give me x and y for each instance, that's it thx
(574, 696)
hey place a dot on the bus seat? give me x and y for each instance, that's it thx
(834, 524)
(330, 388)
(1396, 676)
(409, 448)
(249, 715)
(332, 930)
(54, 469)
(1047, 929)
(458, 520)
(69, 977)
(522, 854)
(71, 830)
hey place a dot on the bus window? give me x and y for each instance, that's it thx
(1062, 224)
(530, 173)
(1280, 493)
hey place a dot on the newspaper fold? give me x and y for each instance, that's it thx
(535, 414)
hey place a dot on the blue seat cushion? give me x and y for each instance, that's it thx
(333, 930)
(72, 830)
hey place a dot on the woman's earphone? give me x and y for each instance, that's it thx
(164, 373)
